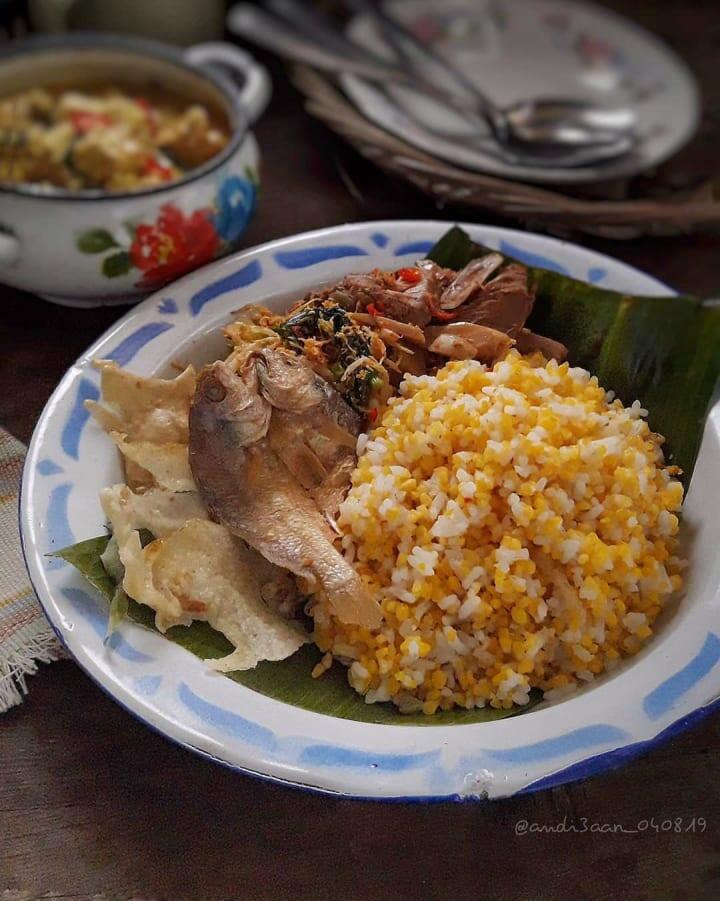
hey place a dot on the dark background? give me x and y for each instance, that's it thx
(94, 804)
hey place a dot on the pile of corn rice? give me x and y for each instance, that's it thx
(519, 527)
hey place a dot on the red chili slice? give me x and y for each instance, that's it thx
(409, 274)
(150, 113)
(84, 122)
(437, 313)
(153, 167)
(373, 414)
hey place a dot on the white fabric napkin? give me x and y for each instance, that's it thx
(26, 638)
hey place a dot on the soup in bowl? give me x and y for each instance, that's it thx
(105, 136)
(124, 163)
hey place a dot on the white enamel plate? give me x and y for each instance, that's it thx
(675, 678)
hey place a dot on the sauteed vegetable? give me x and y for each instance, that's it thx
(104, 137)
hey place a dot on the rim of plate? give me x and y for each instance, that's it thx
(323, 762)
(363, 94)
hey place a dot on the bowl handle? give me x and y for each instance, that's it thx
(9, 248)
(256, 88)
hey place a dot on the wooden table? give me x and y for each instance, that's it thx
(92, 804)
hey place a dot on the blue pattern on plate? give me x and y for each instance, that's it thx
(333, 755)
(421, 247)
(239, 279)
(310, 256)
(57, 526)
(167, 305)
(70, 438)
(298, 750)
(596, 274)
(532, 259)
(147, 685)
(86, 606)
(48, 467)
(379, 239)
(610, 760)
(225, 721)
(586, 737)
(666, 695)
(128, 347)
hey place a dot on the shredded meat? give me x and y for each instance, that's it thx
(378, 289)
(504, 303)
(433, 281)
(470, 280)
(468, 341)
(528, 342)
(402, 329)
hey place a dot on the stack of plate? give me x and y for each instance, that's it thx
(515, 50)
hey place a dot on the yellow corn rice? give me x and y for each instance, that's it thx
(518, 526)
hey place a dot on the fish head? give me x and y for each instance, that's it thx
(288, 381)
(228, 407)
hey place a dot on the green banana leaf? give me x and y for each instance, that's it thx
(285, 680)
(662, 351)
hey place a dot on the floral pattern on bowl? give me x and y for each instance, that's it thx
(176, 242)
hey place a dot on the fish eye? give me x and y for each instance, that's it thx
(215, 392)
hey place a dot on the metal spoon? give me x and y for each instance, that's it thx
(547, 132)
(321, 29)
(546, 121)
(526, 143)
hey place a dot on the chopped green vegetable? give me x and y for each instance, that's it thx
(343, 343)
(313, 320)
(360, 387)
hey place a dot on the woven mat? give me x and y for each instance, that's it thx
(26, 639)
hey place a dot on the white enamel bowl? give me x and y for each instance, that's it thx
(676, 678)
(91, 248)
